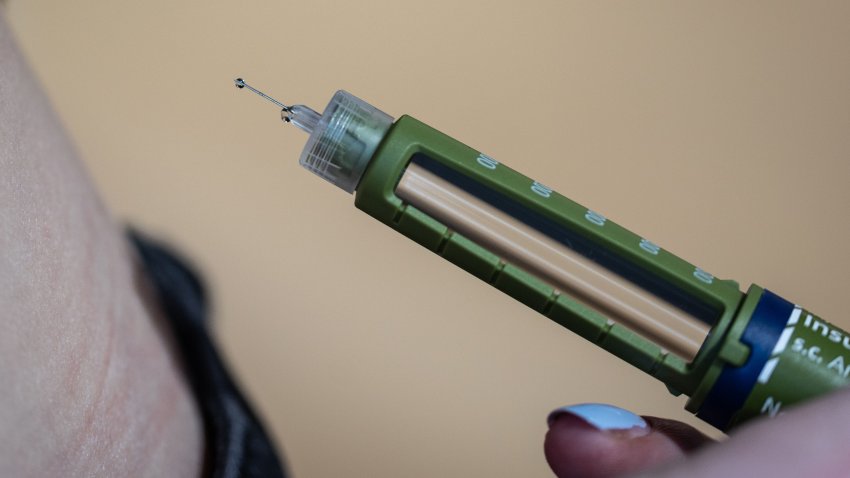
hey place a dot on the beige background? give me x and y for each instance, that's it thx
(720, 131)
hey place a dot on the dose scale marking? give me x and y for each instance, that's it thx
(593, 217)
(736, 355)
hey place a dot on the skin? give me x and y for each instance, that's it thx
(810, 440)
(91, 385)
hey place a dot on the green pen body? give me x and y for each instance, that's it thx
(761, 353)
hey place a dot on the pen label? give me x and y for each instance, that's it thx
(810, 358)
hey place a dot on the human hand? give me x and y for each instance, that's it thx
(595, 441)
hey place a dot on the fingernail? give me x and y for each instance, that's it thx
(600, 416)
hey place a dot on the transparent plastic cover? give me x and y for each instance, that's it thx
(344, 140)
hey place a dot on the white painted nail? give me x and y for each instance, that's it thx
(600, 416)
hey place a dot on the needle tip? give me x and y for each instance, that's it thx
(240, 83)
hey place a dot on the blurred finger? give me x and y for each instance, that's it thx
(597, 440)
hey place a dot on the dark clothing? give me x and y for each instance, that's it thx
(236, 444)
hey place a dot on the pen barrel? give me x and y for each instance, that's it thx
(741, 356)
(793, 355)
(674, 286)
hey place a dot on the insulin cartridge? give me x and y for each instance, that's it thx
(735, 355)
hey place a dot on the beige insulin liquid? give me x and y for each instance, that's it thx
(569, 272)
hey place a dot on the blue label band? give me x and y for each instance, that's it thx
(734, 384)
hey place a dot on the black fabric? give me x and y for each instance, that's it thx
(236, 444)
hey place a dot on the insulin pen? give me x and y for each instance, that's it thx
(735, 355)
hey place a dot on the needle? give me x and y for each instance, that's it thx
(240, 83)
